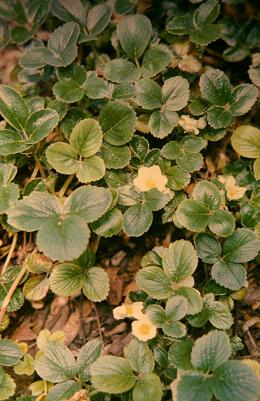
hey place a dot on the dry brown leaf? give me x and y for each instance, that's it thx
(80, 396)
(116, 286)
(72, 326)
(24, 333)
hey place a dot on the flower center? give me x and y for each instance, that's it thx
(129, 310)
(144, 329)
(151, 183)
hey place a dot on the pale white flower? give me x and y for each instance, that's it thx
(234, 192)
(190, 64)
(181, 48)
(144, 329)
(133, 310)
(187, 282)
(150, 177)
(192, 125)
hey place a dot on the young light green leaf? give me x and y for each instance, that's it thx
(90, 169)
(96, 285)
(246, 141)
(139, 356)
(112, 374)
(148, 388)
(134, 33)
(86, 138)
(12, 142)
(8, 387)
(63, 390)
(154, 281)
(62, 158)
(193, 298)
(207, 193)
(67, 278)
(222, 223)
(87, 355)
(36, 288)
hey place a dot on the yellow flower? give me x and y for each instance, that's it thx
(144, 329)
(192, 125)
(133, 310)
(150, 177)
(234, 192)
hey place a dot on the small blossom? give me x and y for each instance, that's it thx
(192, 125)
(144, 329)
(133, 310)
(190, 64)
(234, 192)
(150, 177)
(181, 48)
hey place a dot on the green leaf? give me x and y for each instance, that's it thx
(171, 150)
(118, 123)
(96, 285)
(62, 158)
(87, 355)
(211, 351)
(215, 87)
(229, 275)
(175, 93)
(137, 220)
(12, 142)
(177, 178)
(73, 116)
(112, 374)
(220, 316)
(156, 200)
(180, 25)
(134, 33)
(34, 57)
(63, 390)
(116, 157)
(154, 281)
(86, 138)
(219, 117)
(179, 354)
(36, 288)
(242, 99)
(139, 356)
(205, 34)
(40, 124)
(155, 60)
(256, 168)
(207, 193)
(161, 123)
(121, 70)
(206, 13)
(123, 91)
(96, 88)
(109, 224)
(148, 94)
(10, 353)
(62, 45)
(91, 169)
(190, 162)
(68, 91)
(234, 380)
(222, 223)
(66, 279)
(57, 364)
(194, 387)
(13, 107)
(68, 10)
(148, 388)
(8, 387)
(98, 18)
(9, 192)
(193, 298)
(246, 141)
(192, 144)
(16, 301)
(180, 260)
(208, 247)
(193, 215)
(242, 246)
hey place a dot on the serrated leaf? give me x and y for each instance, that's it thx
(63, 390)
(68, 10)
(193, 215)
(207, 193)
(115, 157)
(98, 18)
(148, 94)
(206, 13)
(190, 162)
(87, 355)
(96, 285)
(205, 34)
(155, 60)
(96, 88)
(17, 300)
(161, 123)
(256, 168)
(180, 25)
(57, 364)
(10, 353)
(134, 33)
(36, 288)
(90, 169)
(112, 374)
(66, 279)
(242, 99)
(211, 351)
(121, 70)
(208, 247)
(222, 223)
(180, 260)
(219, 117)
(12, 142)
(179, 354)
(171, 150)
(139, 356)
(68, 91)
(177, 178)
(148, 388)
(13, 107)
(9, 192)
(229, 275)
(234, 379)
(8, 387)
(137, 220)
(246, 141)
(175, 93)
(193, 298)
(242, 246)
(215, 87)
(193, 387)
(220, 316)
(86, 138)
(123, 91)
(156, 200)
(40, 124)
(118, 123)
(109, 224)
(62, 158)
(154, 281)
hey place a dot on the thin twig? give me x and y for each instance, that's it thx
(99, 325)
(39, 165)
(11, 292)
(65, 186)
(10, 253)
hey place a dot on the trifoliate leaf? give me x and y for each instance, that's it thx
(121, 70)
(148, 388)
(208, 247)
(67, 278)
(218, 117)
(229, 275)
(96, 285)
(118, 123)
(193, 298)
(175, 93)
(211, 351)
(161, 123)
(148, 94)
(137, 220)
(134, 33)
(68, 91)
(62, 158)
(112, 374)
(123, 91)
(242, 246)
(207, 193)
(56, 364)
(193, 215)
(154, 281)
(215, 87)
(86, 137)
(139, 356)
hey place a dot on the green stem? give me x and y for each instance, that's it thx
(10, 253)
(65, 185)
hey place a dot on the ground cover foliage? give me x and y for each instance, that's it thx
(130, 126)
